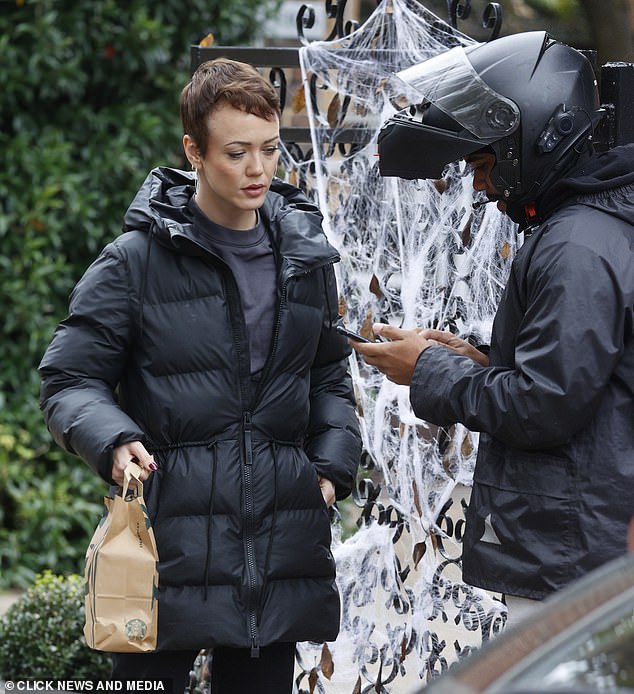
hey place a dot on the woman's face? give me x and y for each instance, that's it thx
(236, 171)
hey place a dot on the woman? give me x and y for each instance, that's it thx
(202, 344)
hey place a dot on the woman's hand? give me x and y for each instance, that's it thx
(327, 490)
(451, 341)
(136, 452)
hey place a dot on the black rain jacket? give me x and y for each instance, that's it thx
(553, 488)
(154, 349)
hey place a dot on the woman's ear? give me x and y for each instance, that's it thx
(191, 152)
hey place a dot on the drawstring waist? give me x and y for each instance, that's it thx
(213, 447)
(255, 439)
(258, 589)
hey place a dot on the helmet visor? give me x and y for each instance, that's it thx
(450, 83)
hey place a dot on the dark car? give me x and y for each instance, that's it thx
(579, 641)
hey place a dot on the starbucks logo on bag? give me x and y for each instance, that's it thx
(135, 630)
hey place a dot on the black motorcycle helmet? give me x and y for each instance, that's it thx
(530, 99)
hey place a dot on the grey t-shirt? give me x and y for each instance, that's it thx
(249, 255)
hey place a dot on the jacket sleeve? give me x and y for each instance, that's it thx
(568, 344)
(82, 366)
(333, 441)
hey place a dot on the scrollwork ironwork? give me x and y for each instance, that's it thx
(335, 10)
(491, 15)
(458, 9)
(305, 19)
(492, 19)
(277, 78)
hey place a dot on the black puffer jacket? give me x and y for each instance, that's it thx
(553, 488)
(241, 526)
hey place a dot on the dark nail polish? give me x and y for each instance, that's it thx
(153, 466)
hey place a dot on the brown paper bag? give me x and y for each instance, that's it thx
(121, 575)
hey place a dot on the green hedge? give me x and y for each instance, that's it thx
(89, 104)
(41, 635)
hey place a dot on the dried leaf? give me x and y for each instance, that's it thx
(366, 327)
(403, 649)
(401, 430)
(440, 185)
(416, 499)
(312, 680)
(326, 664)
(434, 541)
(343, 306)
(375, 287)
(467, 447)
(298, 102)
(333, 111)
(505, 251)
(466, 233)
(419, 552)
(357, 686)
(207, 42)
(448, 456)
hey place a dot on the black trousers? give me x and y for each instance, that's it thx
(233, 670)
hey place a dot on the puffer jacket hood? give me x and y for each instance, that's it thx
(162, 200)
(242, 529)
(160, 207)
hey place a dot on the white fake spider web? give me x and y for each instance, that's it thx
(414, 253)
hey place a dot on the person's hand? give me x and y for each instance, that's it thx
(327, 490)
(136, 452)
(447, 339)
(396, 358)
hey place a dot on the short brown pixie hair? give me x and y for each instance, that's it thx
(229, 81)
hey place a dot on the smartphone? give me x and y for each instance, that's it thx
(351, 335)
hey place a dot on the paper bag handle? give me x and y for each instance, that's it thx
(131, 470)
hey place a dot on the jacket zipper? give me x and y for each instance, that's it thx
(244, 373)
(248, 519)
